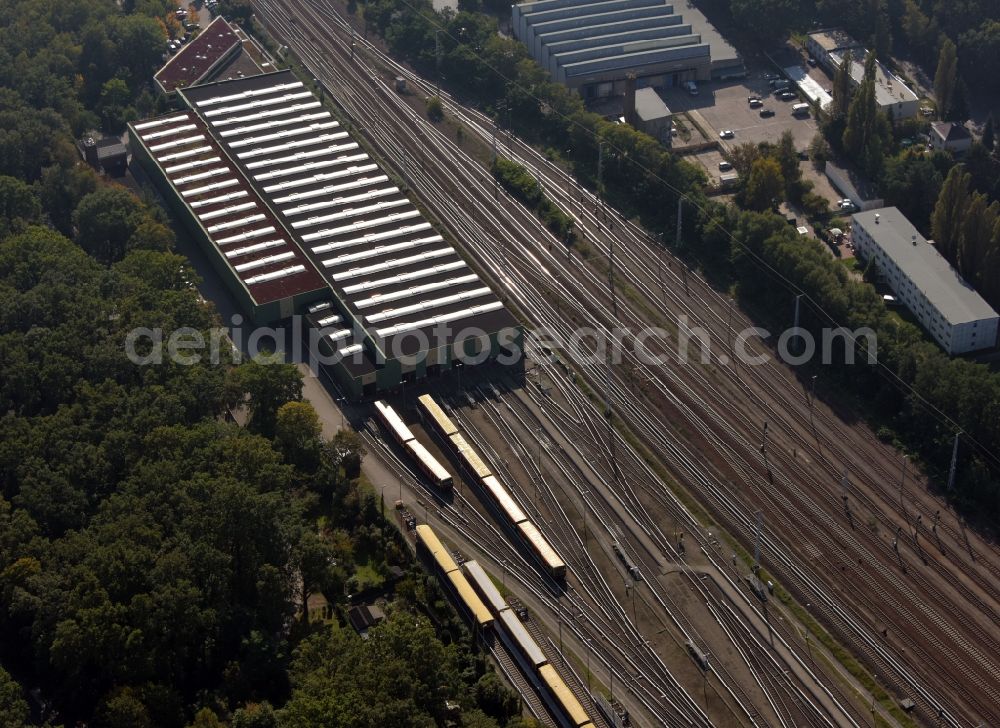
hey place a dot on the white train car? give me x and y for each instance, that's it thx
(429, 465)
(393, 422)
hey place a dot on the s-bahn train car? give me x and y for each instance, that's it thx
(485, 586)
(393, 422)
(431, 410)
(467, 596)
(546, 554)
(504, 501)
(522, 645)
(469, 457)
(572, 709)
(429, 466)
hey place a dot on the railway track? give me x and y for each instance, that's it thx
(543, 277)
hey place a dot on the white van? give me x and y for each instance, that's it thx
(800, 110)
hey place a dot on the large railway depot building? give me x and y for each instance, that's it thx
(593, 45)
(296, 218)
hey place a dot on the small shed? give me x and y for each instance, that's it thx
(652, 115)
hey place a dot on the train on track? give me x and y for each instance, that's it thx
(471, 603)
(432, 413)
(429, 465)
(482, 602)
(522, 645)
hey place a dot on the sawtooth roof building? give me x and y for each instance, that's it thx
(288, 203)
(592, 45)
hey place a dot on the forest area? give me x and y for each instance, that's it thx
(156, 557)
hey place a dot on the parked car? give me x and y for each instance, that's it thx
(725, 166)
(754, 102)
(890, 300)
(788, 96)
(726, 134)
(845, 205)
(691, 87)
(765, 113)
(811, 61)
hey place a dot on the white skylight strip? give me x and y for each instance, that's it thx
(404, 277)
(385, 265)
(202, 175)
(338, 202)
(168, 132)
(261, 262)
(183, 155)
(381, 237)
(386, 220)
(229, 225)
(160, 122)
(232, 209)
(297, 131)
(297, 157)
(274, 123)
(191, 165)
(267, 114)
(348, 350)
(428, 305)
(379, 298)
(320, 139)
(453, 316)
(275, 275)
(260, 103)
(177, 143)
(249, 249)
(251, 93)
(339, 335)
(219, 200)
(349, 213)
(208, 188)
(332, 189)
(322, 177)
(245, 236)
(330, 320)
(373, 253)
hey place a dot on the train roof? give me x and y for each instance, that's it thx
(485, 586)
(530, 531)
(437, 414)
(574, 710)
(426, 535)
(470, 456)
(394, 421)
(519, 633)
(472, 601)
(504, 500)
(423, 455)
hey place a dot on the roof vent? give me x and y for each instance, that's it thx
(876, 218)
(913, 239)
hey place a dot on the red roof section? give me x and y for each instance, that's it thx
(194, 60)
(255, 246)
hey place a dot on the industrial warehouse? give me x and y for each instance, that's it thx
(592, 45)
(298, 219)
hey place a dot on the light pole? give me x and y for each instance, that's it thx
(902, 479)
(812, 401)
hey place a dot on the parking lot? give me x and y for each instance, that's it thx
(723, 105)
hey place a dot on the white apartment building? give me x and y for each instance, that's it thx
(949, 308)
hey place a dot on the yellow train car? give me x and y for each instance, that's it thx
(479, 611)
(572, 708)
(433, 412)
(543, 550)
(430, 541)
(469, 457)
